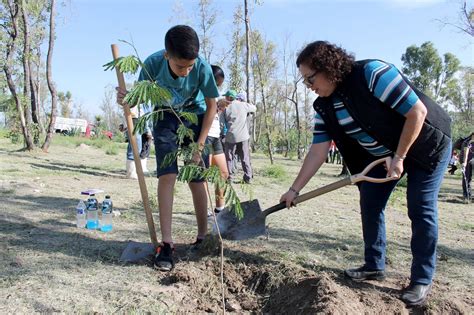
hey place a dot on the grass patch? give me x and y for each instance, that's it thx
(274, 171)
(466, 226)
(111, 149)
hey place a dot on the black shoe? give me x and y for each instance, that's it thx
(363, 273)
(164, 257)
(416, 294)
(197, 243)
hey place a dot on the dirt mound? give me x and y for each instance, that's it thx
(257, 285)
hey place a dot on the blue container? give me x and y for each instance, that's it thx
(92, 213)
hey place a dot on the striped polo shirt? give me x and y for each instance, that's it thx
(387, 85)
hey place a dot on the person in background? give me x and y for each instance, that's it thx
(188, 77)
(216, 155)
(130, 163)
(147, 140)
(371, 110)
(237, 136)
(467, 163)
(453, 162)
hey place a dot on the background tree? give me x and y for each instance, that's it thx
(65, 102)
(264, 65)
(49, 76)
(461, 96)
(11, 14)
(429, 72)
(207, 19)
(465, 21)
(111, 112)
(235, 66)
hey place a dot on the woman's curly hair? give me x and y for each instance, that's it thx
(322, 56)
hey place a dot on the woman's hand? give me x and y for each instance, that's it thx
(396, 167)
(289, 197)
(121, 93)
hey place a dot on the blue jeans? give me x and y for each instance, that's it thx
(138, 138)
(422, 197)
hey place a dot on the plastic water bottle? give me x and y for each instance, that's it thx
(81, 214)
(92, 213)
(106, 223)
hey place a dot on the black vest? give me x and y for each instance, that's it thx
(383, 124)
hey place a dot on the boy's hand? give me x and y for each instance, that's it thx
(121, 93)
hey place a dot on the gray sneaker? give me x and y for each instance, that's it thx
(363, 273)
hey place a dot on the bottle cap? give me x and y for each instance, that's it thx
(107, 197)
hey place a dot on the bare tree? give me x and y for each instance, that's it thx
(207, 20)
(466, 20)
(264, 64)
(235, 65)
(49, 77)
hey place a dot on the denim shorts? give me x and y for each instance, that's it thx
(215, 145)
(166, 142)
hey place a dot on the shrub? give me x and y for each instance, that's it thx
(111, 149)
(274, 171)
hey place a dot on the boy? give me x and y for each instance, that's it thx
(189, 78)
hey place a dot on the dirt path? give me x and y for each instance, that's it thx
(49, 265)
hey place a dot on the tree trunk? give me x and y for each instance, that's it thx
(247, 72)
(49, 78)
(8, 69)
(298, 127)
(26, 64)
(267, 128)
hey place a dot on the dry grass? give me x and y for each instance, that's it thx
(49, 265)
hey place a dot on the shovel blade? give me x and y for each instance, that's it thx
(135, 252)
(251, 225)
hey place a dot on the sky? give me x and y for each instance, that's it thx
(380, 29)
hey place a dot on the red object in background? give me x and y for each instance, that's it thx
(108, 134)
(88, 131)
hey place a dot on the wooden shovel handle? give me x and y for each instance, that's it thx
(136, 155)
(362, 176)
(336, 185)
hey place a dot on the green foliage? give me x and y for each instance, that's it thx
(111, 149)
(128, 64)
(274, 171)
(429, 72)
(147, 92)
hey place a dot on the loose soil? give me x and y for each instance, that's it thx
(48, 265)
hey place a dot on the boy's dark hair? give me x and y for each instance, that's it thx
(182, 42)
(321, 56)
(217, 72)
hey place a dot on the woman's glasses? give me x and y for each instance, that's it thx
(309, 81)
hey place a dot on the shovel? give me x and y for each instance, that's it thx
(136, 251)
(253, 222)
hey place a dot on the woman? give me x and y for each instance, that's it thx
(370, 111)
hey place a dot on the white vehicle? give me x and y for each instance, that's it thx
(66, 125)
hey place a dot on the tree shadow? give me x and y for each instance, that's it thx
(81, 168)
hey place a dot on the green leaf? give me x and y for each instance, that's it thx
(184, 132)
(128, 64)
(147, 93)
(191, 117)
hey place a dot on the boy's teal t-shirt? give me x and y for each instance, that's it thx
(188, 93)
